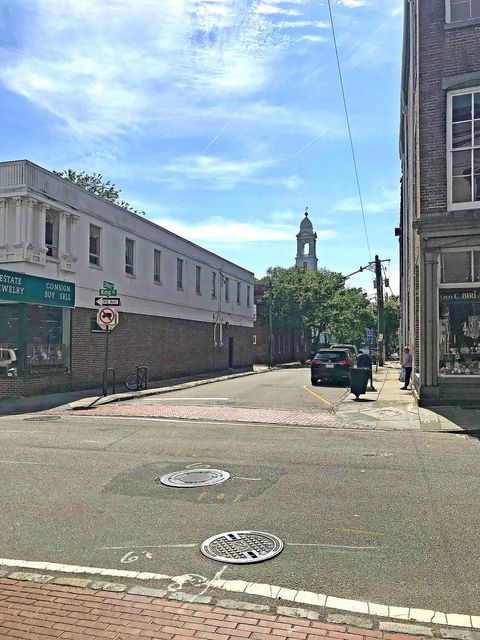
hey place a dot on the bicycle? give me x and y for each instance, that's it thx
(136, 381)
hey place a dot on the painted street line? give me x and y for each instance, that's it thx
(360, 532)
(327, 402)
(191, 545)
(23, 462)
(267, 591)
(178, 398)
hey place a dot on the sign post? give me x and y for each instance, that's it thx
(107, 319)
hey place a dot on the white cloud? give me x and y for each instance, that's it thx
(221, 230)
(383, 200)
(309, 38)
(301, 24)
(353, 3)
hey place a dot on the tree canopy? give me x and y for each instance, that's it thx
(320, 303)
(95, 183)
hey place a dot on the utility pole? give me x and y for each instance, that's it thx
(270, 325)
(380, 312)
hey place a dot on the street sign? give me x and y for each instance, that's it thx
(107, 318)
(107, 302)
(108, 285)
(369, 334)
(107, 292)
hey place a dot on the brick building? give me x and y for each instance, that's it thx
(183, 309)
(440, 214)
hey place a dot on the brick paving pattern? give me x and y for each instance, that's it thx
(40, 611)
(217, 413)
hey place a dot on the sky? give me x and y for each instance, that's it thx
(221, 119)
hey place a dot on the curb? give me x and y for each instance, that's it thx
(331, 610)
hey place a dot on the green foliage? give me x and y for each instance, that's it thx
(319, 303)
(95, 184)
(391, 323)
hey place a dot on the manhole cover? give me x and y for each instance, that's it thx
(194, 478)
(242, 547)
(42, 418)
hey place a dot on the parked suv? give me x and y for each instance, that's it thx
(332, 365)
(350, 347)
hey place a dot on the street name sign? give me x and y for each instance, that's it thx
(107, 318)
(107, 302)
(107, 292)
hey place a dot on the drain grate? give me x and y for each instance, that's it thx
(194, 478)
(42, 418)
(242, 547)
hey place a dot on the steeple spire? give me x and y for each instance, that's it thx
(306, 245)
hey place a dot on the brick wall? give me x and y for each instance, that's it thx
(168, 346)
(442, 53)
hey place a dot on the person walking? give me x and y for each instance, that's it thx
(407, 363)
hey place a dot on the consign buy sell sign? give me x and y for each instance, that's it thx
(20, 287)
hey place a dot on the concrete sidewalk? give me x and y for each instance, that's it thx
(389, 407)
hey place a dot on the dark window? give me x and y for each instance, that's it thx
(198, 279)
(129, 256)
(179, 273)
(157, 254)
(51, 234)
(94, 245)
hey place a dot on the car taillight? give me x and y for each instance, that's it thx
(315, 361)
(344, 362)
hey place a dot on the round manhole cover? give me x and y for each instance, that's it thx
(242, 547)
(194, 478)
(42, 418)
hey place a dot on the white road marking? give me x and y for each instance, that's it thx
(148, 546)
(182, 399)
(240, 586)
(331, 546)
(22, 462)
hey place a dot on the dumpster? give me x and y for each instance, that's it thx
(358, 381)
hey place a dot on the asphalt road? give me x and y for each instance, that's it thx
(384, 517)
(281, 389)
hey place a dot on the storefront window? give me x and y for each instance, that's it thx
(459, 333)
(457, 266)
(34, 339)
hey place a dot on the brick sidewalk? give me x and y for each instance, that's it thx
(39, 611)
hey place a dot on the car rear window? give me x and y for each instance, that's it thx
(331, 356)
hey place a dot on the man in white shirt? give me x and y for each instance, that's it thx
(407, 363)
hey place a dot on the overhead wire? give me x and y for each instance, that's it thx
(340, 75)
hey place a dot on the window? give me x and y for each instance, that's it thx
(227, 289)
(51, 234)
(458, 10)
(464, 147)
(179, 273)
(248, 295)
(198, 279)
(238, 293)
(460, 266)
(94, 245)
(214, 284)
(129, 256)
(157, 256)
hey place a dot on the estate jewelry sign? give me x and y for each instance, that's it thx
(20, 287)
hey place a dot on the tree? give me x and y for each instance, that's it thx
(95, 184)
(391, 323)
(318, 303)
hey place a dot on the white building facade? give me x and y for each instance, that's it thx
(183, 309)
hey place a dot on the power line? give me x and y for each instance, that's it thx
(348, 127)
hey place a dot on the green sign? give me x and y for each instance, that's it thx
(20, 287)
(107, 292)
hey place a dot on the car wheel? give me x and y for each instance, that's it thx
(314, 382)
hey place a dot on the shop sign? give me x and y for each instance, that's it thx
(460, 295)
(20, 287)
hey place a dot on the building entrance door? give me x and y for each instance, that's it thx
(230, 353)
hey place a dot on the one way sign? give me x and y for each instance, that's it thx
(101, 301)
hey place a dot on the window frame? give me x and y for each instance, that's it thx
(157, 266)
(53, 218)
(474, 284)
(214, 285)
(448, 14)
(198, 280)
(98, 264)
(471, 204)
(180, 273)
(239, 299)
(128, 265)
(226, 282)
(248, 296)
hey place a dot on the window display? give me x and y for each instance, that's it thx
(459, 332)
(34, 339)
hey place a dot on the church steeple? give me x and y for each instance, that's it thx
(306, 245)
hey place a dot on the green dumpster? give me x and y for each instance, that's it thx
(358, 381)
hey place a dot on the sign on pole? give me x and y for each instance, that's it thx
(100, 301)
(107, 318)
(369, 334)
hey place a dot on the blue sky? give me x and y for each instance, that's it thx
(222, 119)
